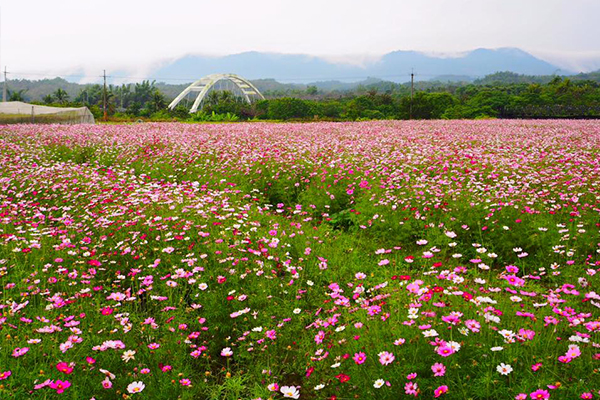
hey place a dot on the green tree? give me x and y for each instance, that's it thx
(61, 96)
(16, 95)
(48, 99)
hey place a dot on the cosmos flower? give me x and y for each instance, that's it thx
(438, 369)
(359, 358)
(290, 392)
(378, 383)
(135, 387)
(60, 386)
(540, 394)
(227, 352)
(386, 358)
(440, 391)
(504, 369)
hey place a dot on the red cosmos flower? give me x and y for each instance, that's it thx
(343, 378)
(438, 289)
(467, 296)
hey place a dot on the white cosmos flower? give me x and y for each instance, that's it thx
(504, 369)
(128, 355)
(226, 352)
(290, 392)
(378, 383)
(135, 387)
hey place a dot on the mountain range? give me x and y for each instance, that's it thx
(395, 66)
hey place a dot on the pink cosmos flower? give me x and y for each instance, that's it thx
(386, 358)
(573, 351)
(587, 395)
(271, 334)
(540, 394)
(536, 366)
(521, 396)
(359, 358)
(106, 383)
(438, 369)
(185, 382)
(20, 351)
(444, 351)
(440, 391)
(411, 388)
(4, 375)
(411, 376)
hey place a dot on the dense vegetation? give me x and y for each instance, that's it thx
(501, 95)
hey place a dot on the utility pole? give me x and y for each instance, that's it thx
(5, 88)
(104, 97)
(412, 91)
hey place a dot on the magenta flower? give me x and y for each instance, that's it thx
(440, 391)
(540, 394)
(4, 375)
(444, 351)
(359, 358)
(64, 368)
(60, 386)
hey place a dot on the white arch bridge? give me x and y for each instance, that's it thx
(241, 85)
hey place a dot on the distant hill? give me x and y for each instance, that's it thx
(395, 66)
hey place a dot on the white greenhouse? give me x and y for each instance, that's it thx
(16, 112)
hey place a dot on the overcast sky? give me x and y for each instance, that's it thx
(69, 35)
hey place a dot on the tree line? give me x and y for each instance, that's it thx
(501, 95)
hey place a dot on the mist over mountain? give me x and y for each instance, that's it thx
(395, 66)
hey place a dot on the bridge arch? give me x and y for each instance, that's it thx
(203, 86)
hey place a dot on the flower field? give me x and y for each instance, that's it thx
(456, 260)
